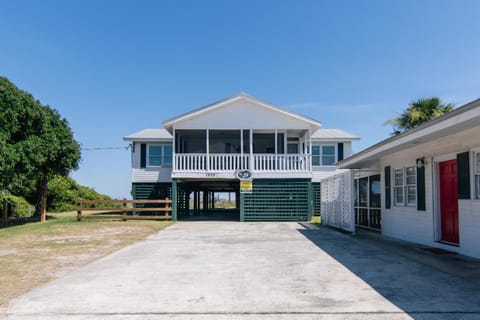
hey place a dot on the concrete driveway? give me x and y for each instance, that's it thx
(229, 270)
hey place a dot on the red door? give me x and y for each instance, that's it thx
(449, 201)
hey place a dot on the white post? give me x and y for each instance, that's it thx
(208, 151)
(251, 149)
(241, 160)
(174, 146)
(275, 163)
(310, 150)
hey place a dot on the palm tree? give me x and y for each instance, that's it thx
(418, 112)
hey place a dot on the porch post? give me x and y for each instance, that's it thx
(242, 207)
(174, 144)
(174, 199)
(208, 151)
(310, 200)
(251, 150)
(310, 150)
(275, 165)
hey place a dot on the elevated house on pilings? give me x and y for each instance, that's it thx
(269, 158)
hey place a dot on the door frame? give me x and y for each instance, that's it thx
(437, 218)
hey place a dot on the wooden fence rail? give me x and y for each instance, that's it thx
(122, 207)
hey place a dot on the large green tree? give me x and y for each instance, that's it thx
(418, 112)
(36, 144)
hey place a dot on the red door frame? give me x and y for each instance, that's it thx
(448, 186)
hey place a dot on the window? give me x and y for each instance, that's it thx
(477, 174)
(160, 155)
(405, 186)
(323, 155)
(328, 155)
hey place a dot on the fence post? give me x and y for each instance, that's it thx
(79, 209)
(174, 199)
(5, 213)
(124, 209)
(167, 206)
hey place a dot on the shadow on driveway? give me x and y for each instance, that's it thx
(422, 284)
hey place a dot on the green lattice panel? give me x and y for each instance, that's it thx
(277, 200)
(317, 198)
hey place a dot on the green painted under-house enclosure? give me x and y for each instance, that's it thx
(268, 200)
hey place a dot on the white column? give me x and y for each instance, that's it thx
(276, 150)
(241, 164)
(310, 150)
(174, 146)
(208, 151)
(251, 149)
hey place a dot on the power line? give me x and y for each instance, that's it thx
(105, 148)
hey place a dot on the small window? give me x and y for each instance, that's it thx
(398, 187)
(405, 186)
(328, 155)
(160, 155)
(323, 155)
(477, 175)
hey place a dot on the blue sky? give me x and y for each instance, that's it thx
(115, 67)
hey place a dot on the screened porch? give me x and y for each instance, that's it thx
(230, 150)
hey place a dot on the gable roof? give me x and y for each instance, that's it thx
(168, 124)
(333, 134)
(456, 120)
(149, 135)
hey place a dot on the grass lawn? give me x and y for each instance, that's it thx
(35, 253)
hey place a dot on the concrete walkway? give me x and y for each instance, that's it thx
(231, 270)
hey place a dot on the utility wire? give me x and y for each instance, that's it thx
(106, 148)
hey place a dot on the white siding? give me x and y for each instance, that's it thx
(423, 227)
(406, 222)
(148, 174)
(347, 149)
(240, 115)
(152, 175)
(469, 222)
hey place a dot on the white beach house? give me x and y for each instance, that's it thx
(270, 158)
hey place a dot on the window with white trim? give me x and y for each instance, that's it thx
(160, 155)
(405, 186)
(477, 174)
(323, 155)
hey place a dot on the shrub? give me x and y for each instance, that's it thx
(64, 191)
(18, 207)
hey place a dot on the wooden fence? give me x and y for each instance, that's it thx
(123, 207)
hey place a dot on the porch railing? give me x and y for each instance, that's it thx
(196, 162)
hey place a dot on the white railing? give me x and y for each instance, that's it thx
(200, 162)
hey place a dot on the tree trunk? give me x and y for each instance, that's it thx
(40, 210)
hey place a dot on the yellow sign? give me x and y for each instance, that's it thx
(246, 186)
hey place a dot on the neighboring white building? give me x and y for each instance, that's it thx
(424, 185)
(202, 152)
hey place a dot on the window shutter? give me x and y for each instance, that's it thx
(463, 174)
(340, 152)
(388, 193)
(143, 155)
(421, 184)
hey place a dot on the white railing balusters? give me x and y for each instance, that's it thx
(196, 162)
